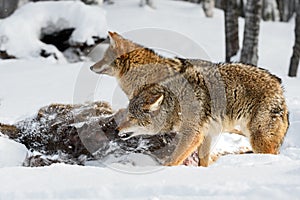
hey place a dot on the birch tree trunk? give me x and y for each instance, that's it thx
(231, 29)
(208, 6)
(270, 10)
(249, 53)
(296, 49)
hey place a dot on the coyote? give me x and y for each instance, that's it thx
(195, 98)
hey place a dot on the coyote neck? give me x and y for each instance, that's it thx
(136, 71)
(140, 58)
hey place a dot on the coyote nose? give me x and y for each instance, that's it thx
(117, 131)
(91, 68)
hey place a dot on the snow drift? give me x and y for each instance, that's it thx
(20, 33)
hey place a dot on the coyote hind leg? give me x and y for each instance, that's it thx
(267, 131)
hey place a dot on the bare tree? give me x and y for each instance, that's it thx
(296, 49)
(231, 28)
(250, 42)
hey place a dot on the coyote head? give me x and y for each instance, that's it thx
(121, 55)
(149, 112)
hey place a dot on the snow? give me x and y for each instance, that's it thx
(30, 19)
(32, 85)
(221, 182)
(29, 84)
(11, 153)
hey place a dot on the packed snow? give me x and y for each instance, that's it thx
(35, 19)
(29, 84)
(11, 153)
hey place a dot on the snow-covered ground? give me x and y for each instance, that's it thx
(35, 19)
(27, 85)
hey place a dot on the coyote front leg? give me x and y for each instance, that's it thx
(204, 152)
(188, 142)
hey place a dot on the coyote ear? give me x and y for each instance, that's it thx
(121, 45)
(112, 37)
(116, 40)
(156, 103)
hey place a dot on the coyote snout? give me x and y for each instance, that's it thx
(105, 65)
(101, 68)
(110, 63)
(126, 129)
(126, 132)
(142, 117)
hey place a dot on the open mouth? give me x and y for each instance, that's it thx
(100, 68)
(94, 69)
(126, 135)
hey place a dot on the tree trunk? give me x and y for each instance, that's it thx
(208, 6)
(93, 2)
(286, 9)
(7, 7)
(193, 1)
(241, 7)
(251, 32)
(296, 49)
(270, 10)
(150, 3)
(231, 29)
(220, 4)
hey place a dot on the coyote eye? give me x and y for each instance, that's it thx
(131, 117)
(144, 123)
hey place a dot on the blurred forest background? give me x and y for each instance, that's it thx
(252, 10)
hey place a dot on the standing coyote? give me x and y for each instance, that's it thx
(197, 99)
